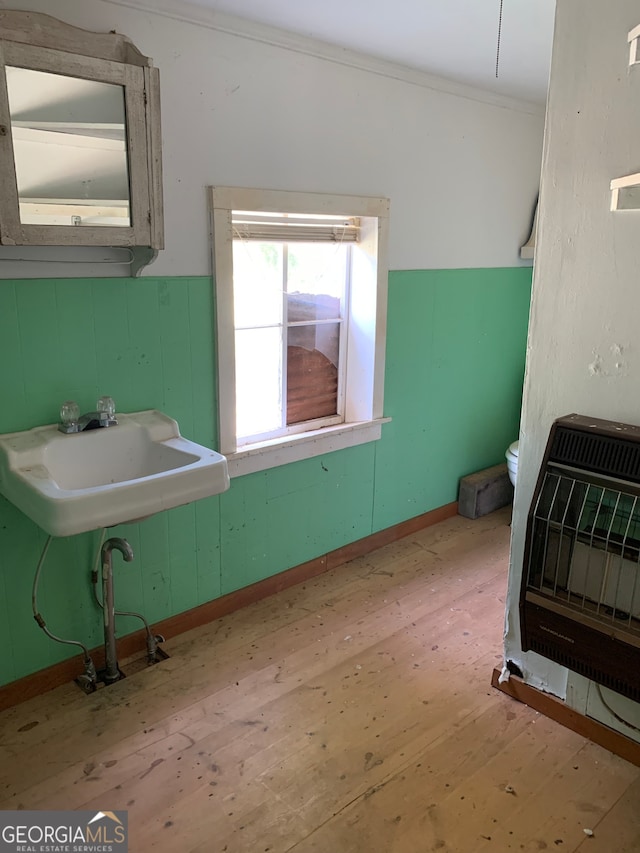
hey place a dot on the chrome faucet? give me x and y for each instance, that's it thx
(72, 421)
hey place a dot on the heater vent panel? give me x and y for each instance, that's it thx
(580, 596)
(602, 454)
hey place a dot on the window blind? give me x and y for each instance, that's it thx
(289, 227)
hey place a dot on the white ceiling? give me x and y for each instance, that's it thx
(455, 39)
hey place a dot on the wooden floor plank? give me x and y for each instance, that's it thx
(620, 825)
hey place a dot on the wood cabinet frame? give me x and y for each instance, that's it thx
(40, 42)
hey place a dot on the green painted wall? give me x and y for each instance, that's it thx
(456, 344)
(455, 361)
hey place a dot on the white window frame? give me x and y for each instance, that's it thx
(366, 326)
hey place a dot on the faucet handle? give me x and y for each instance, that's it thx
(106, 409)
(69, 414)
(106, 404)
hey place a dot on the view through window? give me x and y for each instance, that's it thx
(290, 304)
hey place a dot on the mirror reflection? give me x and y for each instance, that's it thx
(70, 150)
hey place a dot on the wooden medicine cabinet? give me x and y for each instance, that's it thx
(80, 141)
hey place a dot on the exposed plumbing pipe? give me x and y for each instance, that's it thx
(89, 677)
(111, 672)
(152, 639)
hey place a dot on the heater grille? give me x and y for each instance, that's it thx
(580, 599)
(585, 549)
(598, 453)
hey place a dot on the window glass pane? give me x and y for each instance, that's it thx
(316, 276)
(312, 372)
(257, 283)
(258, 381)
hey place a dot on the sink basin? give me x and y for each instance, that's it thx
(73, 483)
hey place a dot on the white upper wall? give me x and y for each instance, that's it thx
(427, 36)
(462, 174)
(583, 353)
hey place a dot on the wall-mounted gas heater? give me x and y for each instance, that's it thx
(580, 597)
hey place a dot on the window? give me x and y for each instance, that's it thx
(301, 288)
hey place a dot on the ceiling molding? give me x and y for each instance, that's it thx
(201, 16)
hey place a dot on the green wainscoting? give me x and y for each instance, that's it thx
(455, 361)
(456, 342)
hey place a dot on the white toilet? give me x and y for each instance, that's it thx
(512, 461)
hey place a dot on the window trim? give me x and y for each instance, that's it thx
(366, 328)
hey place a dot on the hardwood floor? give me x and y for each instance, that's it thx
(350, 713)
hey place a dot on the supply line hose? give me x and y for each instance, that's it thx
(89, 667)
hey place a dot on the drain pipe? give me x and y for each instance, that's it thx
(88, 679)
(152, 639)
(112, 672)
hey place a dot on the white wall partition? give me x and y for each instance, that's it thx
(583, 353)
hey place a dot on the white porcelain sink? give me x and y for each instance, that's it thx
(72, 483)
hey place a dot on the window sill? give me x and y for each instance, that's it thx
(305, 445)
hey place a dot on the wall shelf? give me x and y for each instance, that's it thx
(528, 250)
(634, 46)
(625, 192)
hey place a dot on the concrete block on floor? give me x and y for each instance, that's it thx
(484, 491)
